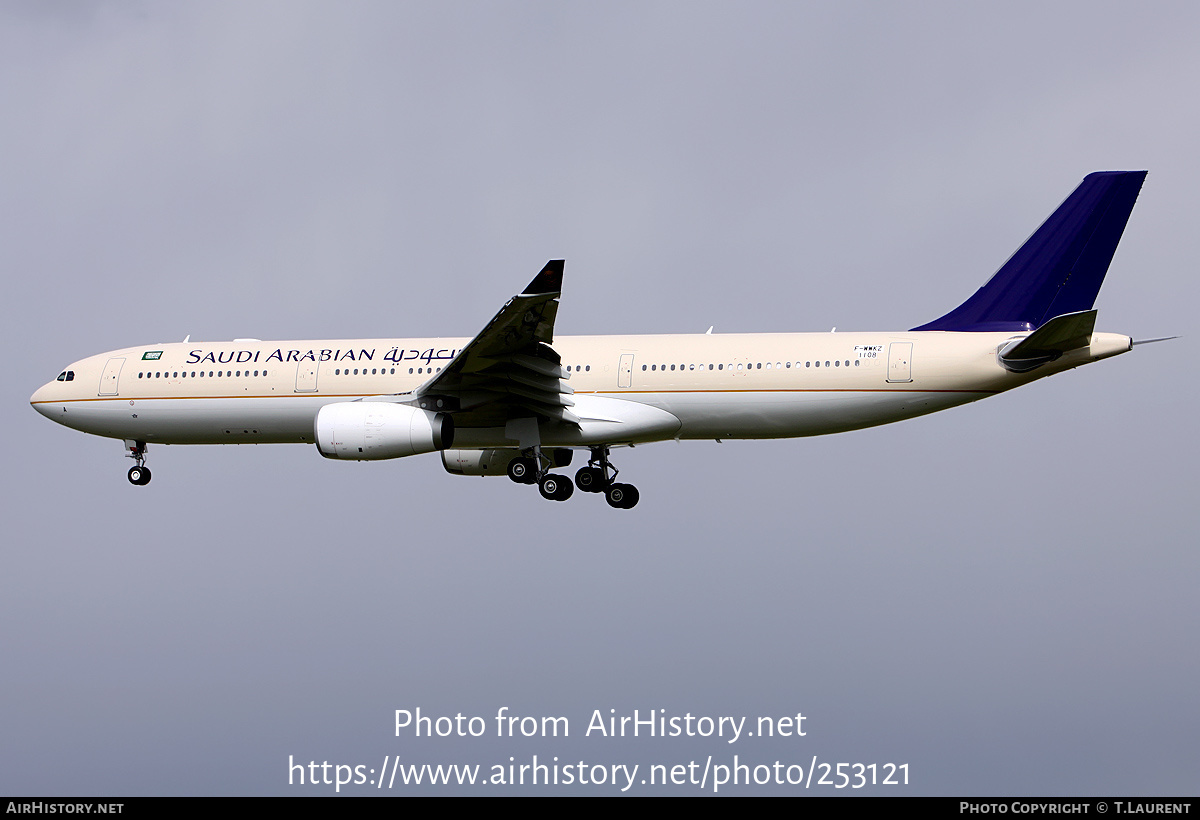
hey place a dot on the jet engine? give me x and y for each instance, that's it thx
(495, 462)
(371, 430)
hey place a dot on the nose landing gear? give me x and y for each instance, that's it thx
(140, 474)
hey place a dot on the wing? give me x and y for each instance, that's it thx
(509, 370)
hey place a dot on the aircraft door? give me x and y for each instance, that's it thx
(900, 362)
(306, 377)
(110, 377)
(625, 370)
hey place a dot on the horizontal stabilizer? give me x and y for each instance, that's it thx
(1062, 333)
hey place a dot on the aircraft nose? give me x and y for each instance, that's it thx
(40, 398)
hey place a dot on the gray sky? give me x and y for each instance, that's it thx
(1001, 596)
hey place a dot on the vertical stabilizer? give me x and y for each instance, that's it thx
(1061, 267)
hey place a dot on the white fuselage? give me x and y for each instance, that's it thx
(774, 385)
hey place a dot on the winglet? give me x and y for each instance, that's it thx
(548, 281)
(1060, 268)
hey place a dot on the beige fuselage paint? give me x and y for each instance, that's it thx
(768, 385)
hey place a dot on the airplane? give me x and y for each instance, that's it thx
(515, 401)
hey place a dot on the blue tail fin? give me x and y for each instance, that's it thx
(1061, 267)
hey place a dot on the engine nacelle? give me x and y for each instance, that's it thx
(478, 462)
(495, 462)
(371, 430)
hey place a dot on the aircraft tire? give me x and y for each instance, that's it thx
(622, 496)
(139, 476)
(590, 479)
(522, 470)
(555, 487)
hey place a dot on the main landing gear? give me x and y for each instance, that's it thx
(139, 474)
(599, 477)
(533, 467)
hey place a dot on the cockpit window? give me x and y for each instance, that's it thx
(62, 377)
(66, 376)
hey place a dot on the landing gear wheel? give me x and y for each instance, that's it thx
(590, 479)
(555, 487)
(139, 475)
(522, 470)
(622, 496)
